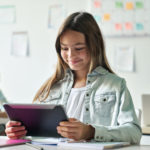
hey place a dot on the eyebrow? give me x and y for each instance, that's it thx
(79, 43)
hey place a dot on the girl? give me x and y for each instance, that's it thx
(96, 100)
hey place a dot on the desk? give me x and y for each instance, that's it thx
(25, 147)
(133, 147)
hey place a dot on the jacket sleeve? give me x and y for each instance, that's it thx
(127, 128)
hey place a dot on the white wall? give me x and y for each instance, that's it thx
(138, 82)
(20, 77)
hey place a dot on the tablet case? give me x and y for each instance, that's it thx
(38, 119)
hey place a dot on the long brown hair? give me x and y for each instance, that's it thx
(84, 23)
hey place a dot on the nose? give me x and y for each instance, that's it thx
(71, 52)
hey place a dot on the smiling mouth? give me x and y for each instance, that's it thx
(74, 61)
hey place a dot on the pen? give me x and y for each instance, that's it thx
(35, 146)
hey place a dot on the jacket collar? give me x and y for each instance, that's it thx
(97, 71)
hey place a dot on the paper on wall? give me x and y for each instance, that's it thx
(20, 44)
(7, 14)
(124, 58)
(56, 15)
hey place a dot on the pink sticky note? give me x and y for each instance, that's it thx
(128, 26)
(118, 26)
(97, 4)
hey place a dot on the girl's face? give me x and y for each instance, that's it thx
(74, 50)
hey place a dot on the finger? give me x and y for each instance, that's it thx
(69, 124)
(17, 135)
(67, 134)
(13, 123)
(73, 120)
(14, 129)
(67, 129)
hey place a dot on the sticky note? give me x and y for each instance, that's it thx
(119, 5)
(97, 4)
(106, 17)
(139, 5)
(97, 18)
(128, 26)
(118, 26)
(139, 26)
(129, 5)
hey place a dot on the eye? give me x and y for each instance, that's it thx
(64, 48)
(79, 48)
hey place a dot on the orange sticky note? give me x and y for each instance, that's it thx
(129, 5)
(106, 17)
(118, 26)
(97, 4)
(128, 26)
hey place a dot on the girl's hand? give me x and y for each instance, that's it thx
(76, 130)
(14, 130)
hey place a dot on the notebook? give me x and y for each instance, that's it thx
(145, 113)
(5, 141)
(92, 145)
(46, 140)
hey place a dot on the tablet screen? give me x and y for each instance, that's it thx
(38, 119)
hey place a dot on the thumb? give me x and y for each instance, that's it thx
(73, 120)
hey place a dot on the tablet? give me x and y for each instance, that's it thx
(38, 119)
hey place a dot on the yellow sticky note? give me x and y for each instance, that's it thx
(129, 5)
(106, 17)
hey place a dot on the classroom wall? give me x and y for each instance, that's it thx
(138, 82)
(21, 77)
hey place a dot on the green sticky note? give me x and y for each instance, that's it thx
(119, 4)
(139, 4)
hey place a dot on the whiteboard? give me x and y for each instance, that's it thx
(122, 17)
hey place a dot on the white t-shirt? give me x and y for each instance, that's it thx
(75, 104)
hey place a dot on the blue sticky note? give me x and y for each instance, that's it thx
(97, 18)
(139, 26)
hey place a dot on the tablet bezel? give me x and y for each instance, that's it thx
(38, 119)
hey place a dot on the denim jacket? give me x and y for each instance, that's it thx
(108, 105)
